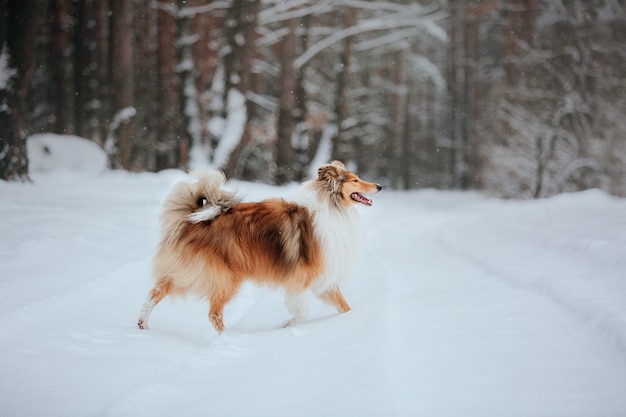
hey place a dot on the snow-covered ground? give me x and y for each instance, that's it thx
(462, 306)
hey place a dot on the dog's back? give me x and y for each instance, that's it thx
(270, 242)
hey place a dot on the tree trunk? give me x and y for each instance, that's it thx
(239, 74)
(287, 106)
(205, 49)
(101, 74)
(88, 70)
(340, 143)
(18, 28)
(454, 67)
(122, 128)
(62, 68)
(307, 134)
(397, 140)
(168, 134)
(207, 28)
(407, 156)
(188, 95)
(83, 49)
(519, 29)
(466, 128)
(147, 95)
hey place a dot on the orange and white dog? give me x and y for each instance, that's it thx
(212, 242)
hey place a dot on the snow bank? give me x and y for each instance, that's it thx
(51, 152)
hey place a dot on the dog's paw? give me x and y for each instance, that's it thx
(294, 322)
(142, 325)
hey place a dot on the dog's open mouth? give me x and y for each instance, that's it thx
(360, 198)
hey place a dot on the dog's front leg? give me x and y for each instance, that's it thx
(298, 306)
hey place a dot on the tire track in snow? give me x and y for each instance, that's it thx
(512, 261)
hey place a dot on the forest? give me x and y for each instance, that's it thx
(519, 98)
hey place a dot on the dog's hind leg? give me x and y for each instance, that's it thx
(335, 298)
(160, 291)
(218, 299)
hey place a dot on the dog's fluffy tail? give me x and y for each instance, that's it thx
(196, 200)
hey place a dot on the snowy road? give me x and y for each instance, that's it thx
(462, 306)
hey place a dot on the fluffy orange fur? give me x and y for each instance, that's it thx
(271, 242)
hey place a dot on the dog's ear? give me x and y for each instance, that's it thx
(338, 164)
(331, 175)
(331, 171)
(327, 173)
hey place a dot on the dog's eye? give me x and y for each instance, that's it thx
(202, 201)
(355, 180)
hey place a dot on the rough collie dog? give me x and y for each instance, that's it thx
(212, 242)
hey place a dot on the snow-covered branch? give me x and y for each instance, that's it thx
(290, 10)
(370, 25)
(189, 11)
(575, 166)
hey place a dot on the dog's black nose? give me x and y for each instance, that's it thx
(379, 187)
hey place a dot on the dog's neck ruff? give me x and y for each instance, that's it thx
(340, 232)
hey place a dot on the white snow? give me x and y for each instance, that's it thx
(426, 71)
(123, 115)
(324, 149)
(232, 129)
(462, 305)
(51, 152)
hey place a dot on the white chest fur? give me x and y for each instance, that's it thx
(340, 232)
(341, 235)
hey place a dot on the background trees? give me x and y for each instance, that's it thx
(524, 98)
(555, 110)
(17, 65)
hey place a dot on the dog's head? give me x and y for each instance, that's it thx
(344, 187)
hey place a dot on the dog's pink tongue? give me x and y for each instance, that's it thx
(361, 199)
